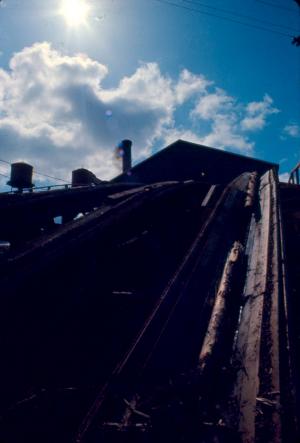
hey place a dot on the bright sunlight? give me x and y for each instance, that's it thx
(75, 12)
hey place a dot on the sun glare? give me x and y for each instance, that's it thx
(75, 12)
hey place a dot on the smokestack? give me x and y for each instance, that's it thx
(125, 147)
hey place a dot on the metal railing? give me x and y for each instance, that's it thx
(47, 188)
(294, 175)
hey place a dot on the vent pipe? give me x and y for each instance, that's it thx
(125, 151)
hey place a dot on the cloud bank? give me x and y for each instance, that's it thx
(56, 114)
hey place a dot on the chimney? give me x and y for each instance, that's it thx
(125, 148)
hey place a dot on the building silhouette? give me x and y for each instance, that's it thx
(162, 307)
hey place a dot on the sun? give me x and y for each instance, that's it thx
(75, 12)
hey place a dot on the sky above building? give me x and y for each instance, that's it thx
(78, 76)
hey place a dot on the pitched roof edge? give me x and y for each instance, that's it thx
(196, 145)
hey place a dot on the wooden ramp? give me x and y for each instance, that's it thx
(161, 315)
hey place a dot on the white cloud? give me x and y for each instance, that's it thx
(225, 134)
(213, 104)
(56, 114)
(230, 120)
(189, 85)
(223, 112)
(284, 177)
(257, 113)
(293, 130)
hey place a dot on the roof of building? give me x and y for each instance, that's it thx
(184, 160)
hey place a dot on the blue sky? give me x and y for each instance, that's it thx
(152, 71)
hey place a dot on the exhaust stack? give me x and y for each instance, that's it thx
(125, 152)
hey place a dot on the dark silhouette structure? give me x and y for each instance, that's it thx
(82, 177)
(21, 176)
(183, 160)
(166, 312)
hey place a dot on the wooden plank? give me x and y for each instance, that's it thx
(215, 328)
(199, 257)
(248, 342)
(272, 384)
(257, 387)
(251, 190)
(209, 196)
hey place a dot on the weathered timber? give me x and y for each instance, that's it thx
(215, 328)
(144, 356)
(251, 190)
(153, 279)
(257, 349)
(57, 303)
